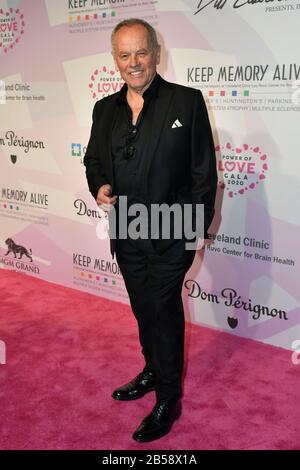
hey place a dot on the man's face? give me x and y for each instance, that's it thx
(134, 58)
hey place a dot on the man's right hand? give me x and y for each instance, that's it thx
(104, 201)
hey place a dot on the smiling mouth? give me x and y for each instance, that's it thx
(136, 73)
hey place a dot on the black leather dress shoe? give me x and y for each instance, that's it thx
(137, 388)
(159, 421)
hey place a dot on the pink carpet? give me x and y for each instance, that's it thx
(67, 351)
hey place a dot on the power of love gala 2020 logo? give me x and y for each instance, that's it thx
(104, 82)
(241, 169)
(11, 28)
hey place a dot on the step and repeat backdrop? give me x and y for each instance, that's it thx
(55, 63)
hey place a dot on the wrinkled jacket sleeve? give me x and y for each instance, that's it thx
(92, 161)
(203, 161)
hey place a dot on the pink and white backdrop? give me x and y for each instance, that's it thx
(55, 62)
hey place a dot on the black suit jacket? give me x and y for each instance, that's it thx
(181, 162)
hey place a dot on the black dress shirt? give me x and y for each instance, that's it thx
(129, 174)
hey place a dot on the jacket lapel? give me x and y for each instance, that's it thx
(161, 106)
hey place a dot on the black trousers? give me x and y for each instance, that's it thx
(154, 285)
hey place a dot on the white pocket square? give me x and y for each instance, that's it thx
(176, 123)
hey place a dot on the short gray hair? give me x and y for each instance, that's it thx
(132, 22)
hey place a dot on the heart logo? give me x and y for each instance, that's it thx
(11, 28)
(232, 322)
(240, 168)
(106, 87)
(229, 166)
(103, 82)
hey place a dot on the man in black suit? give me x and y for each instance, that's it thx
(152, 142)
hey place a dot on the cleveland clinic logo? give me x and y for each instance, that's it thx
(78, 150)
(103, 82)
(11, 28)
(240, 168)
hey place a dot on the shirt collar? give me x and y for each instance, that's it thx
(150, 92)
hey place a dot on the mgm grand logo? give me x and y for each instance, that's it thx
(18, 251)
